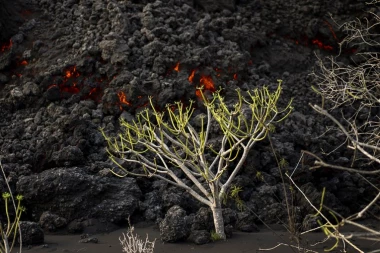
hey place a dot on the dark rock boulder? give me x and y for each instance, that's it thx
(86, 238)
(263, 202)
(174, 227)
(52, 222)
(75, 227)
(229, 229)
(172, 197)
(65, 192)
(68, 156)
(31, 233)
(200, 237)
(230, 217)
(152, 206)
(73, 194)
(273, 213)
(202, 220)
(246, 222)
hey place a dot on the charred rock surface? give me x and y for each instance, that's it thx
(32, 234)
(215, 5)
(75, 66)
(10, 19)
(51, 222)
(200, 237)
(174, 226)
(72, 193)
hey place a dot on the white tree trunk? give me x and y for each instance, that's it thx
(218, 221)
(6, 243)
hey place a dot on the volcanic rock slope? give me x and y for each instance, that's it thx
(75, 66)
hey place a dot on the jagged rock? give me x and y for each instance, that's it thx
(71, 194)
(76, 226)
(5, 59)
(86, 238)
(31, 233)
(200, 237)
(172, 197)
(230, 216)
(30, 88)
(68, 156)
(215, 5)
(152, 206)
(202, 220)
(173, 227)
(246, 222)
(51, 222)
(228, 230)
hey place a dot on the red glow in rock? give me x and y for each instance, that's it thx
(6, 46)
(176, 68)
(123, 98)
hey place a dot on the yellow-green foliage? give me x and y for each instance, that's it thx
(215, 236)
(152, 129)
(9, 230)
(161, 142)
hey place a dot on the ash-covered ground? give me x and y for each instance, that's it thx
(75, 66)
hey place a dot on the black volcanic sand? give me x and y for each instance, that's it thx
(239, 243)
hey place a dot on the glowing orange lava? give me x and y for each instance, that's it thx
(206, 80)
(51, 86)
(176, 68)
(6, 46)
(218, 72)
(123, 99)
(69, 84)
(191, 76)
(71, 72)
(92, 91)
(68, 89)
(321, 45)
(207, 83)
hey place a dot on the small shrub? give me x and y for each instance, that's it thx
(132, 243)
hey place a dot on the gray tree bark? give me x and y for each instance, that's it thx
(217, 214)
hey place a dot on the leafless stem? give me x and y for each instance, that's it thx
(287, 245)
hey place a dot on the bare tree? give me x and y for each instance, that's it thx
(161, 143)
(355, 87)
